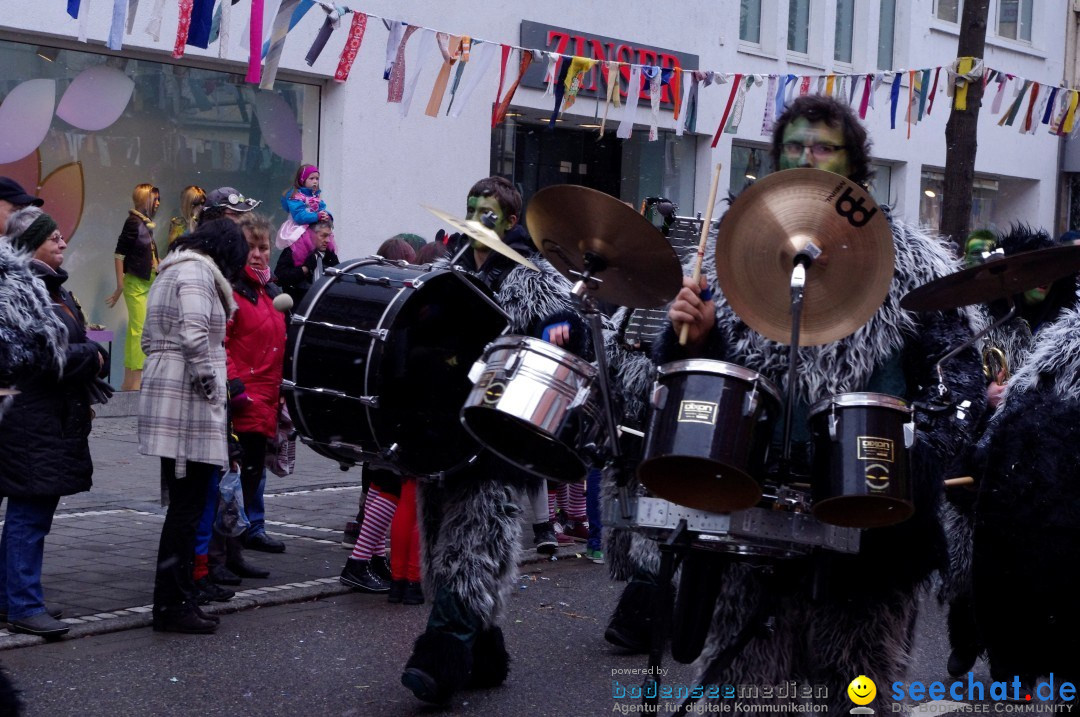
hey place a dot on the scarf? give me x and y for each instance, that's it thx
(259, 276)
(303, 247)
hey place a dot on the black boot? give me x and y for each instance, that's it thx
(182, 618)
(207, 592)
(414, 594)
(630, 626)
(358, 574)
(491, 661)
(381, 567)
(963, 636)
(439, 665)
(397, 591)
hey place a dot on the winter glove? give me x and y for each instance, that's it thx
(238, 395)
(206, 386)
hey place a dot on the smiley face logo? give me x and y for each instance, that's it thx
(862, 690)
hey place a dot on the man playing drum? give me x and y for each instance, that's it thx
(833, 616)
(470, 522)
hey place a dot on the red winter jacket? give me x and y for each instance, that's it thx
(255, 349)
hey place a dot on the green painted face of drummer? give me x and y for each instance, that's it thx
(975, 248)
(814, 144)
(478, 207)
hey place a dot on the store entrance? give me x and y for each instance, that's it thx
(545, 157)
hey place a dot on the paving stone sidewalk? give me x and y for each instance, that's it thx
(99, 557)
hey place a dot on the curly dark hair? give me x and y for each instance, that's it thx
(819, 108)
(223, 241)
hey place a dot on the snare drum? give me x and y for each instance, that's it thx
(533, 404)
(709, 431)
(377, 361)
(860, 476)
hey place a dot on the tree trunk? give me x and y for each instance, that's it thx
(961, 141)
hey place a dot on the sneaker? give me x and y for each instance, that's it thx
(207, 592)
(55, 612)
(358, 574)
(544, 539)
(596, 556)
(42, 625)
(576, 531)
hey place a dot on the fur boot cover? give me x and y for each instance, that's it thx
(1027, 527)
(837, 615)
(32, 338)
(439, 666)
(491, 661)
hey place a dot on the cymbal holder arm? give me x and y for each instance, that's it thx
(942, 389)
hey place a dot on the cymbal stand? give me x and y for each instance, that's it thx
(803, 260)
(941, 388)
(587, 280)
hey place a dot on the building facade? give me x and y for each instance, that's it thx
(194, 120)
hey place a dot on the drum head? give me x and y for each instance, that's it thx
(700, 483)
(530, 448)
(863, 511)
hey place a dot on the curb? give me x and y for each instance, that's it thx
(270, 596)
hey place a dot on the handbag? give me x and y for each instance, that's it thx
(231, 520)
(281, 449)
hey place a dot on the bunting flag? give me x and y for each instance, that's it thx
(73, 9)
(652, 75)
(731, 100)
(182, 27)
(1070, 113)
(466, 42)
(393, 42)
(560, 89)
(680, 122)
(504, 57)
(830, 83)
(427, 52)
(278, 33)
(1050, 105)
(116, 28)
(611, 76)
(740, 102)
(768, 119)
(133, 6)
(894, 97)
(995, 106)
(633, 95)
(574, 76)
(1010, 116)
(254, 71)
(1026, 125)
(396, 87)
(910, 90)
(450, 47)
(221, 17)
(297, 15)
(933, 91)
(552, 74)
(503, 105)
(352, 46)
(202, 20)
(483, 55)
(319, 44)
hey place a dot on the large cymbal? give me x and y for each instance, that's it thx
(996, 279)
(482, 234)
(634, 264)
(776, 218)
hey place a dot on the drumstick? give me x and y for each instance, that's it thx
(685, 331)
(963, 480)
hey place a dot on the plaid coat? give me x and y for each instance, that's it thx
(189, 304)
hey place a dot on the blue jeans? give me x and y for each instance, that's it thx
(206, 523)
(22, 550)
(592, 507)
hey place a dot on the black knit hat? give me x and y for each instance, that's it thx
(35, 234)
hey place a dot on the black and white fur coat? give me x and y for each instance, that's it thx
(32, 338)
(862, 622)
(470, 525)
(1027, 514)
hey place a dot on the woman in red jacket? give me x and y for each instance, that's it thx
(254, 346)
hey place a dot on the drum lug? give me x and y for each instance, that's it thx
(832, 424)
(476, 371)
(909, 434)
(750, 403)
(659, 396)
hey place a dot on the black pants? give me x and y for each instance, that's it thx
(173, 584)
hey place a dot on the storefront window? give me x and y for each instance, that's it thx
(984, 195)
(750, 21)
(748, 163)
(181, 126)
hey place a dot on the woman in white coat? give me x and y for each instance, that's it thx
(182, 416)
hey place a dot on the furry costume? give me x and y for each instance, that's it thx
(862, 623)
(32, 338)
(469, 523)
(1027, 520)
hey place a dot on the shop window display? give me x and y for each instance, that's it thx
(144, 121)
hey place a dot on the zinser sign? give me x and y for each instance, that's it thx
(564, 41)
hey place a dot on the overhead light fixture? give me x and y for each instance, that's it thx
(589, 126)
(930, 193)
(48, 53)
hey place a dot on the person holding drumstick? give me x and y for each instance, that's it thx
(835, 616)
(477, 512)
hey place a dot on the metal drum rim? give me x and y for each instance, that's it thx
(545, 348)
(860, 398)
(719, 368)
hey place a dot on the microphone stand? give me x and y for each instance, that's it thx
(803, 260)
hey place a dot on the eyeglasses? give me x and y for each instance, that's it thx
(818, 150)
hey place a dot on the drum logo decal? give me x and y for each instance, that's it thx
(877, 477)
(697, 412)
(875, 449)
(494, 392)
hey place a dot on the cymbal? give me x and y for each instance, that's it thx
(995, 279)
(779, 216)
(482, 234)
(634, 265)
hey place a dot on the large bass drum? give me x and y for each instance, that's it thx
(377, 362)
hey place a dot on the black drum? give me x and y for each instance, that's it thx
(860, 476)
(710, 426)
(377, 362)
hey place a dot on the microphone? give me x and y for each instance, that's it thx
(283, 302)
